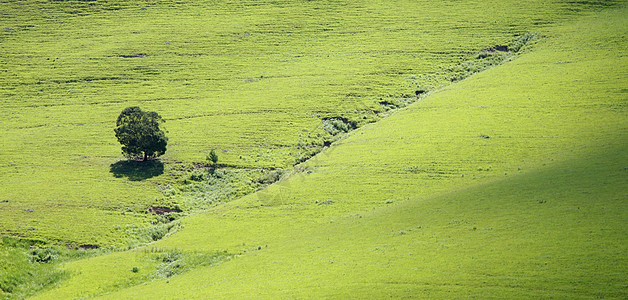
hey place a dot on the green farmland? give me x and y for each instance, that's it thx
(366, 150)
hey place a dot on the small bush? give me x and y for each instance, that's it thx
(271, 177)
(338, 125)
(44, 255)
(483, 55)
(197, 176)
(212, 158)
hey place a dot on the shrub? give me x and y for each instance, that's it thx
(338, 125)
(197, 176)
(212, 158)
(44, 255)
(270, 177)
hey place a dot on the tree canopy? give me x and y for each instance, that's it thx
(138, 132)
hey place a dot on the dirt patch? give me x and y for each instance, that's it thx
(159, 210)
(502, 48)
(328, 202)
(88, 247)
(138, 55)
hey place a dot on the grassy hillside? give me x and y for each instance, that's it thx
(252, 79)
(510, 184)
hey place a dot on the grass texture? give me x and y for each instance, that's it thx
(509, 184)
(252, 79)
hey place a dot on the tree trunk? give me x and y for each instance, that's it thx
(145, 157)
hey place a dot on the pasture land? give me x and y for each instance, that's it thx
(511, 183)
(252, 79)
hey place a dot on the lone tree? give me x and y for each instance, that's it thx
(138, 132)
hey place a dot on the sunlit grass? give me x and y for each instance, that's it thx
(509, 184)
(251, 79)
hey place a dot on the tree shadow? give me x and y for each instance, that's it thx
(137, 170)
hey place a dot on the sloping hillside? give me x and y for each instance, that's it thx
(252, 79)
(511, 183)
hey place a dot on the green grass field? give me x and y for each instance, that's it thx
(509, 184)
(422, 204)
(252, 80)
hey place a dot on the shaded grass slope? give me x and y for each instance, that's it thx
(510, 184)
(252, 79)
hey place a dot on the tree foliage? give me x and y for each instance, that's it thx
(212, 157)
(138, 132)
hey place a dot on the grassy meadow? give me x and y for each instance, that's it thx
(250, 79)
(508, 184)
